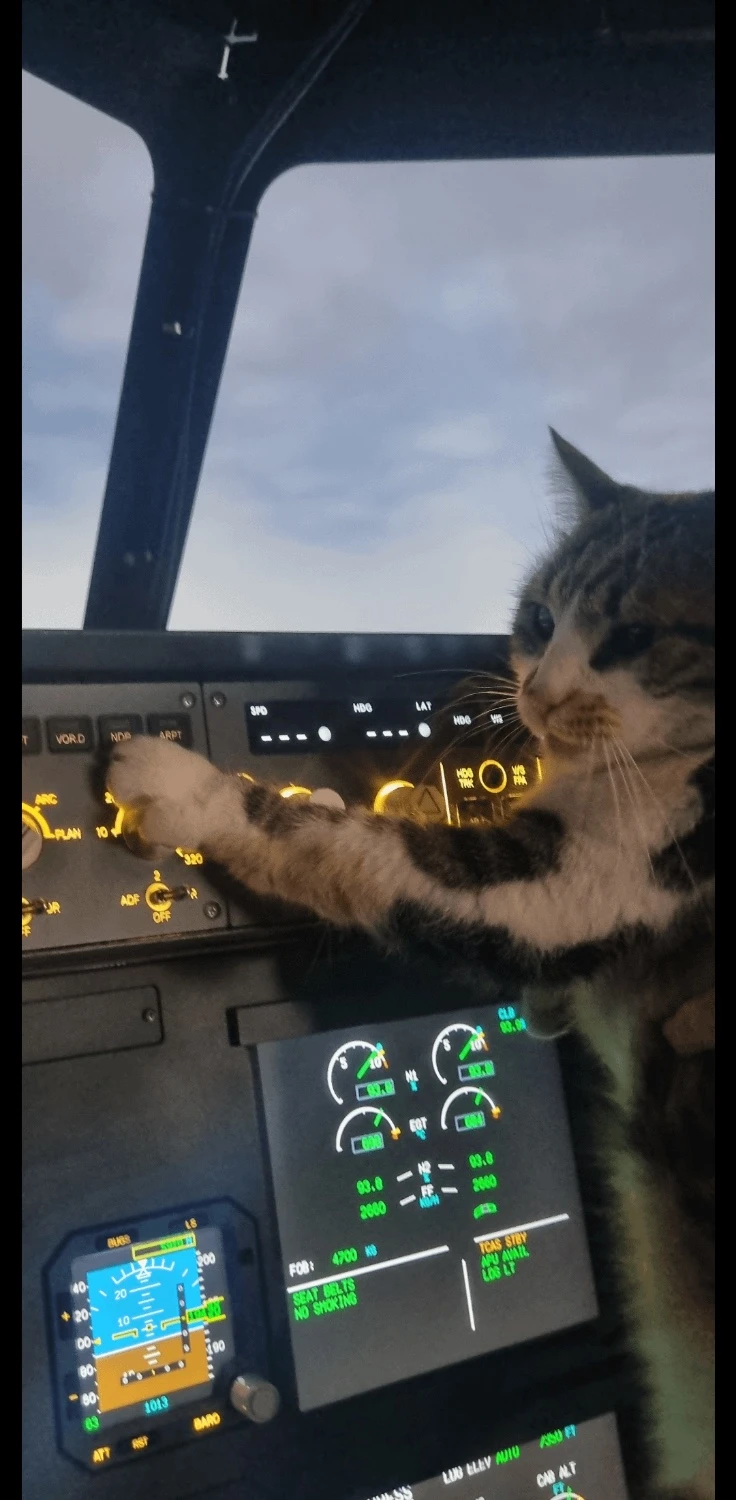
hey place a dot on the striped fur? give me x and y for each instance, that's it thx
(598, 897)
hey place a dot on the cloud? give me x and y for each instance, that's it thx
(405, 333)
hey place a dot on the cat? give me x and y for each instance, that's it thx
(597, 896)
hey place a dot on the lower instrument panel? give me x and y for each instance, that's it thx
(307, 1220)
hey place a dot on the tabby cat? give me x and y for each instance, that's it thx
(597, 897)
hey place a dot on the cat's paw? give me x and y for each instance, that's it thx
(173, 796)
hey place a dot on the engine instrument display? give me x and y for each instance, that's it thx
(577, 1462)
(426, 1197)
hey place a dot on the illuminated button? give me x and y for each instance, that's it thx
(492, 777)
(428, 806)
(393, 798)
(30, 737)
(69, 736)
(116, 729)
(207, 1422)
(255, 1398)
(174, 727)
(101, 1455)
(325, 797)
(142, 1443)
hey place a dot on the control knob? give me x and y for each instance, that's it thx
(32, 843)
(255, 1398)
(326, 797)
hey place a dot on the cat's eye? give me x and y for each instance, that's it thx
(543, 620)
(631, 640)
(622, 644)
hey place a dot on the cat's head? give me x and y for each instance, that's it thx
(614, 633)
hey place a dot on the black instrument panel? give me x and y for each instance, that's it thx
(243, 1102)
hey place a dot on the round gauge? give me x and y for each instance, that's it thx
(359, 1070)
(472, 1112)
(461, 1051)
(367, 1134)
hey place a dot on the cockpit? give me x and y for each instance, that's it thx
(304, 288)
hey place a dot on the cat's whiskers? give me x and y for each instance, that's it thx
(635, 807)
(608, 751)
(657, 804)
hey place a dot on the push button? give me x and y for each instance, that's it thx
(174, 727)
(142, 1443)
(30, 738)
(116, 729)
(69, 736)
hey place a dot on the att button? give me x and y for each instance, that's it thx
(30, 738)
(69, 736)
(174, 727)
(117, 729)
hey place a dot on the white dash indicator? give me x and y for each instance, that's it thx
(468, 1297)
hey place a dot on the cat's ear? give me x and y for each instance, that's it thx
(579, 479)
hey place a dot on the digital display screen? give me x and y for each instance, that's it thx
(297, 727)
(577, 1462)
(152, 1326)
(426, 1197)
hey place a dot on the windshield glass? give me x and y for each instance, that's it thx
(86, 195)
(405, 333)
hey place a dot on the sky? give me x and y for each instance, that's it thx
(379, 457)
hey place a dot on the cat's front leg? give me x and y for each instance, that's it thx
(175, 797)
(541, 883)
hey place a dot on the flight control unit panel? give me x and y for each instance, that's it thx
(449, 757)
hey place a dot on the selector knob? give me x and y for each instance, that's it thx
(255, 1398)
(32, 844)
(325, 797)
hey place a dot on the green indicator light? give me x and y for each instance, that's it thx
(91, 1424)
(209, 1312)
(480, 1069)
(380, 1089)
(372, 1142)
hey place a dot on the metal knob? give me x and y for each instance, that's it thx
(32, 843)
(255, 1398)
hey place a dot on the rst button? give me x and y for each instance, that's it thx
(117, 729)
(174, 727)
(69, 736)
